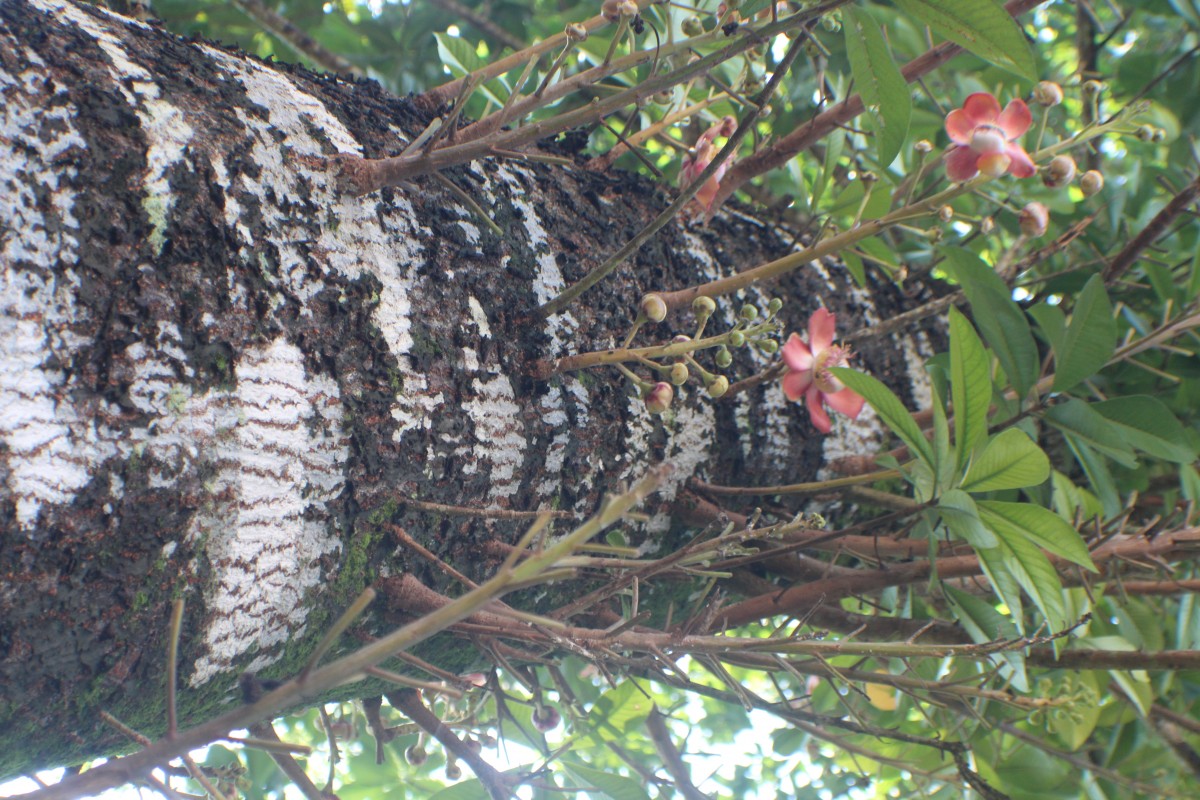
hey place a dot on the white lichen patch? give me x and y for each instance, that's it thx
(851, 437)
(553, 413)
(500, 441)
(917, 350)
(689, 441)
(279, 457)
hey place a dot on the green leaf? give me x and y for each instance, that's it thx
(884, 91)
(1146, 423)
(1053, 323)
(617, 713)
(1031, 569)
(980, 26)
(890, 410)
(1090, 339)
(1000, 320)
(615, 786)
(1011, 460)
(458, 54)
(1098, 474)
(971, 386)
(958, 511)
(985, 624)
(1086, 425)
(1039, 525)
(1003, 582)
(470, 789)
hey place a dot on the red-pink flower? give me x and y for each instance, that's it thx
(809, 376)
(985, 138)
(704, 153)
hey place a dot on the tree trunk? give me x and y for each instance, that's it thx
(220, 379)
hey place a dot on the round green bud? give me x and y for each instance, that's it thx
(768, 346)
(748, 312)
(703, 306)
(737, 338)
(679, 374)
(692, 27)
(775, 305)
(718, 386)
(1091, 182)
(653, 308)
(723, 358)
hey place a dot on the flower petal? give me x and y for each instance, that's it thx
(1022, 164)
(982, 108)
(847, 401)
(1015, 119)
(962, 163)
(796, 354)
(820, 330)
(795, 384)
(816, 411)
(959, 126)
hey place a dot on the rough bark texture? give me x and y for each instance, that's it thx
(217, 374)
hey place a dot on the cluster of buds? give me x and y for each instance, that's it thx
(614, 10)
(754, 327)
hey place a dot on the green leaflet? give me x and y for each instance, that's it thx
(1090, 338)
(890, 410)
(1147, 424)
(1000, 320)
(1011, 460)
(971, 386)
(1038, 525)
(961, 516)
(980, 26)
(884, 91)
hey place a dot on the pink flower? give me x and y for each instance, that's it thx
(985, 138)
(809, 375)
(703, 155)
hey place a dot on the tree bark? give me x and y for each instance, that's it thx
(221, 379)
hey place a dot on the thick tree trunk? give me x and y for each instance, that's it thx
(219, 378)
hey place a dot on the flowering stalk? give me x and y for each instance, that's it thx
(621, 355)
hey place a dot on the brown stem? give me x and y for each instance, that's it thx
(408, 702)
(289, 765)
(1125, 259)
(1116, 659)
(656, 727)
(287, 32)
(821, 125)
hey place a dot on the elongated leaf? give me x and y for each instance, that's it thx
(1146, 423)
(985, 624)
(612, 785)
(1001, 322)
(1098, 474)
(617, 713)
(1011, 460)
(980, 26)
(884, 91)
(996, 569)
(971, 386)
(1090, 427)
(1053, 323)
(958, 511)
(470, 789)
(1090, 339)
(1033, 571)
(890, 410)
(1039, 525)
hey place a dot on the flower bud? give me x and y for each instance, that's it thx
(416, 755)
(748, 312)
(923, 146)
(1033, 219)
(546, 718)
(576, 32)
(659, 398)
(703, 306)
(1047, 93)
(680, 338)
(1092, 88)
(718, 386)
(832, 21)
(653, 308)
(775, 305)
(453, 771)
(679, 374)
(723, 358)
(737, 338)
(727, 125)
(1159, 136)
(692, 26)
(1145, 133)
(610, 11)
(1091, 182)
(868, 177)
(986, 225)
(945, 213)
(627, 8)
(768, 346)
(1059, 172)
